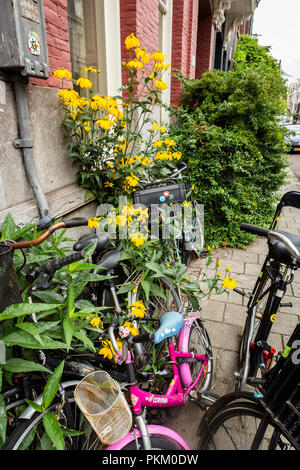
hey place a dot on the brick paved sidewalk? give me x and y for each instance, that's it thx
(225, 314)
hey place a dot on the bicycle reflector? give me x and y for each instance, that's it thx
(102, 402)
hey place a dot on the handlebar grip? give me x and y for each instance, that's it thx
(255, 230)
(76, 222)
(53, 265)
(142, 338)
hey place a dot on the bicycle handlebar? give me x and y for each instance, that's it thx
(76, 222)
(263, 232)
(172, 176)
(49, 268)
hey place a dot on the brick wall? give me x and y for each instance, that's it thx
(140, 17)
(205, 44)
(56, 18)
(184, 43)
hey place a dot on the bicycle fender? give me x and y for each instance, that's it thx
(153, 430)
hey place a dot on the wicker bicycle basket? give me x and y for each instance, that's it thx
(101, 400)
(9, 289)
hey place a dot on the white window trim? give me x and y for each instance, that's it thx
(166, 8)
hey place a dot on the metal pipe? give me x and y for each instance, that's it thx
(25, 143)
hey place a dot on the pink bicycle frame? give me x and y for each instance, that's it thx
(175, 394)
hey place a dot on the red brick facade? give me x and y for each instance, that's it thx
(56, 17)
(193, 36)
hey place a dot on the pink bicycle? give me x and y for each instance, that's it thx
(121, 427)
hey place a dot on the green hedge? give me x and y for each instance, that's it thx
(228, 131)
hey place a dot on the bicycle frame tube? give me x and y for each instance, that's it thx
(175, 395)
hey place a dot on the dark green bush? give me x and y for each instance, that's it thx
(227, 129)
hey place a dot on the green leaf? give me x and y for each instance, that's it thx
(126, 288)
(34, 405)
(53, 430)
(146, 285)
(31, 329)
(85, 339)
(52, 385)
(18, 310)
(3, 419)
(68, 327)
(21, 365)
(26, 340)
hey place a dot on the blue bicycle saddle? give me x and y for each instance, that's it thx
(170, 324)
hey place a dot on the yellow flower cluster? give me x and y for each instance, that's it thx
(229, 283)
(138, 309)
(168, 156)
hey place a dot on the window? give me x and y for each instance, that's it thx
(94, 31)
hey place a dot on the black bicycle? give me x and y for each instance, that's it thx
(269, 419)
(256, 356)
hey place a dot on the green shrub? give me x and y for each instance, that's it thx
(228, 132)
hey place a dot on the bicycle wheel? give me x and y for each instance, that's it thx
(31, 435)
(241, 426)
(198, 343)
(157, 443)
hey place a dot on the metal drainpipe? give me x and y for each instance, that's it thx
(25, 144)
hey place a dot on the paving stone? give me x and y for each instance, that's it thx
(224, 336)
(235, 314)
(284, 323)
(244, 256)
(212, 310)
(253, 269)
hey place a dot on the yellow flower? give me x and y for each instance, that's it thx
(170, 142)
(177, 155)
(142, 54)
(228, 268)
(157, 127)
(108, 351)
(186, 203)
(137, 309)
(84, 82)
(158, 143)
(115, 112)
(138, 239)
(68, 94)
(132, 180)
(218, 263)
(108, 184)
(161, 85)
(133, 330)
(121, 220)
(96, 322)
(131, 41)
(219, 274)
(90, 69)
(158, 57)
(229, 283)
(87, 127)
(62, 73)
(104, 124)
(93, 222)
(136, 64)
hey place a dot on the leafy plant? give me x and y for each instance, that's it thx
(228, 132)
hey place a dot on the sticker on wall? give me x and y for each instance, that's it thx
(34, 44)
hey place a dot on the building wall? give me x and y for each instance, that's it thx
(189, 39)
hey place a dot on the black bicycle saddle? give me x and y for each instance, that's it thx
(277, 249)
(85, 240)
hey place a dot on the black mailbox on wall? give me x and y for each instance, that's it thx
(23, 43)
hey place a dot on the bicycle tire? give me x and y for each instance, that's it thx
(227, 429)
(198, 343)
(17, 440)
